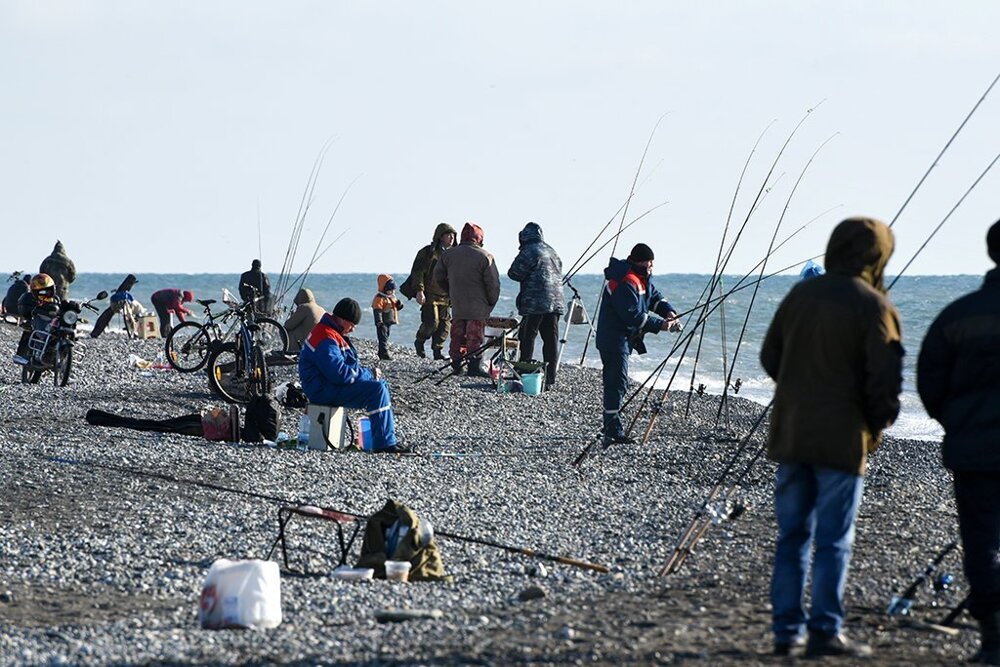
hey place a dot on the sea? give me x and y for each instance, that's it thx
(727, 343)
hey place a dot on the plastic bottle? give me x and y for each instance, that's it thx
(304, 431)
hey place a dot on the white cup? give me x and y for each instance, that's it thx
(397, 570)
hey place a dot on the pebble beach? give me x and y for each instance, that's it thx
(99, 565)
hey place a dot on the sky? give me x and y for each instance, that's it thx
(180, 136)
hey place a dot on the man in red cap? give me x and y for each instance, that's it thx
(167, 301)
(630, 308)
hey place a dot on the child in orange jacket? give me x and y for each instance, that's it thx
(384, 307)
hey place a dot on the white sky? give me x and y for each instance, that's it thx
(145, 135)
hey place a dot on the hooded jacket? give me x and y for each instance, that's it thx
(328, 363)
(834, 349)
(629, 299)
(958, 377)
(255, 279)
(383, 303)
(61, 268)
(470, 276)
(422, 273)
(539, 270)
(306, 315)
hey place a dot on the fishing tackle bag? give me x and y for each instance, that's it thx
(396, 533)
(263, 419)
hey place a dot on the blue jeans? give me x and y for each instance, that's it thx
(814, 506)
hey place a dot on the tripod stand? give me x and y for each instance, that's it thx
(576, 313)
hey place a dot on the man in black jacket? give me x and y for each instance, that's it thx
(958, 377)
(257, 281)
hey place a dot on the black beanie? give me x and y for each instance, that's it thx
(641, 253)
(348, 309)
(993, 242)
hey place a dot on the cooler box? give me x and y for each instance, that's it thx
(149, 326)
(329, 421)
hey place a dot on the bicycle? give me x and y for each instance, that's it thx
(237, 371)
(189, 344)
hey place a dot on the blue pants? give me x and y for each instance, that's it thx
(615, 376)
(372, 396)
(815, 507)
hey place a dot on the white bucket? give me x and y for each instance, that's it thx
(241, 593)
(397, 570)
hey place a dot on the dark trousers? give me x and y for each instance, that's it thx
(615, 376)
(435, 323)
(383, 320)
(548, 325)
(977, 495)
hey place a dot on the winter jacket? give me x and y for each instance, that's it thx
(256, 279)
(470, 276)
(300, 323)
(14, 293)
(958, 377)
(539, 270)
(328, 361)
(422, 273)
(383, 303)
(61, 269)
(631, 306)
(173, 300)
(835, 352)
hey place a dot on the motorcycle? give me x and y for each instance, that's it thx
(53, 335)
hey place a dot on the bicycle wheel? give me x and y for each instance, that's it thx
(260, 378)
(187, 346)
(228, 375)
(271, 336)
(63, 366)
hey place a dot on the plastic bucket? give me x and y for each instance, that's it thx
(365, 434)
(532, 383)
(397, 570)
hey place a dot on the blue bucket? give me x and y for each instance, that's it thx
(532, 383)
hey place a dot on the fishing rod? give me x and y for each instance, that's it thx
(756, 290)
(900, 605)
(638, 171)
(947, 144)
(526, 551)
(570, 276)
(328, 223)
(486, 345)
(301, 278)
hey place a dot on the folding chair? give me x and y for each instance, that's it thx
(339, 520)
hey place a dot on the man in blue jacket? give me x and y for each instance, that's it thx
(331, 374)
(630, 308)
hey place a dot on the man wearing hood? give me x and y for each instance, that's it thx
(331, 374)
(435, 319)
(470, 276)
(835, 353)
(306, 315)
(958, 377)
(255, 284)
(61, 268)
(121, 299)
(540, 302)
(631, 307)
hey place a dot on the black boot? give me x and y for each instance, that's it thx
(419, 347)
(383, 353)
(438, 356)
(476, 368)
(989, 633)
(456, 367)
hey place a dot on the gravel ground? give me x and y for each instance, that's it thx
(98, 566)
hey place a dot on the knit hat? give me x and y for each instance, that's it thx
(641, 253)
(993, 242)
(389, 285)
(348, 309)
(472, 233)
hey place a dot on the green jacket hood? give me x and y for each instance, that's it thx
(860, 247)
(441, 230)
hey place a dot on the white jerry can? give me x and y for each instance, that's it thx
(241, 594)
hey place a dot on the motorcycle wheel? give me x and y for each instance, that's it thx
(63, 367)
(228, 376)
(187, 347)
(271, 336)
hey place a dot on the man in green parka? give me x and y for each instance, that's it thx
(61, 268)
(435, 319)
(834, 349)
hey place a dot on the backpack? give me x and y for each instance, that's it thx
(406, 288)
(263, 419)
(395, 533)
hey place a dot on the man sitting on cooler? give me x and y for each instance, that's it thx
(331, 375)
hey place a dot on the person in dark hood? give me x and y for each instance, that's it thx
(306, 315)
(470, 276)
(121, 299)
(61, 269)
(435, 317)
(540, 302)
(958, 378)
(18, 287)
(255, 284)
(834, 350)
(630, 308)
